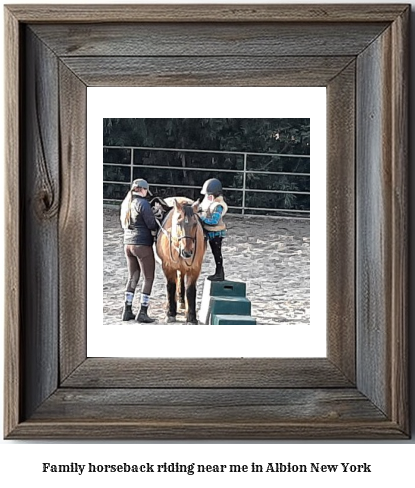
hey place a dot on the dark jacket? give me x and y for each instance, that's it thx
(142, 222)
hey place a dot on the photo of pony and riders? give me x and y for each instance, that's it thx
(206, 221)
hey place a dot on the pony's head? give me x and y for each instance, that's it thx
(185, 224)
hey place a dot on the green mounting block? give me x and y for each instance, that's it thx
(233, 320)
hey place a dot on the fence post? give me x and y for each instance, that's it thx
(131, 167)
(244, 184)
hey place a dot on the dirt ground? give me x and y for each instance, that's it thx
(272, 256)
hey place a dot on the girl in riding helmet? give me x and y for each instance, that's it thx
(139, 224)
(213, 208)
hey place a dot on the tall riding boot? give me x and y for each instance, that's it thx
(142, 316)
(127, 313)
(219, 274)
(216, 246)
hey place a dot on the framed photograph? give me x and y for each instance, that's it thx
(55, 55)
(260, 151)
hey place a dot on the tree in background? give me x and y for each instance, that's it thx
(285, 136)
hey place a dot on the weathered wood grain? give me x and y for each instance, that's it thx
(188, 430)
(72, 222)
(206, 399)
(206, 13)
(209, 405)
(40, 205)
(382, 222)
(400, 233)
(13, 273)
(206, 373)
(341, 310)
(373, 169)
(180, 39)
(205, 71)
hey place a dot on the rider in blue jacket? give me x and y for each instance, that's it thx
(213, 208)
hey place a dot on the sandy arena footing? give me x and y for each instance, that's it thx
(271, 255)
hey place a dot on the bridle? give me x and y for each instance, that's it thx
(177, 248)
(194, 239)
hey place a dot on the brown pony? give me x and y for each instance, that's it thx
(181, 247)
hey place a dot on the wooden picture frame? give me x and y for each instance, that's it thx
(360, 53)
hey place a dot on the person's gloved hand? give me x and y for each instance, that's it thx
(197, 206)
(158, 211)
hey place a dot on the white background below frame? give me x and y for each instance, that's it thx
(135, 340)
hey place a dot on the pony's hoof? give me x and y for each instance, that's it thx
(171, 319)
(182, 305)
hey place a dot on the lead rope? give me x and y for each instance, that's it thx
(170, 242)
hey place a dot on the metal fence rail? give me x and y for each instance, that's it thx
(304, 213)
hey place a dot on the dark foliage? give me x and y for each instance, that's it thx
(277, 137)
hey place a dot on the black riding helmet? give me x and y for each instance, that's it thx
(212, 187)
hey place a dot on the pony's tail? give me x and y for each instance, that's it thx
(125, 214)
